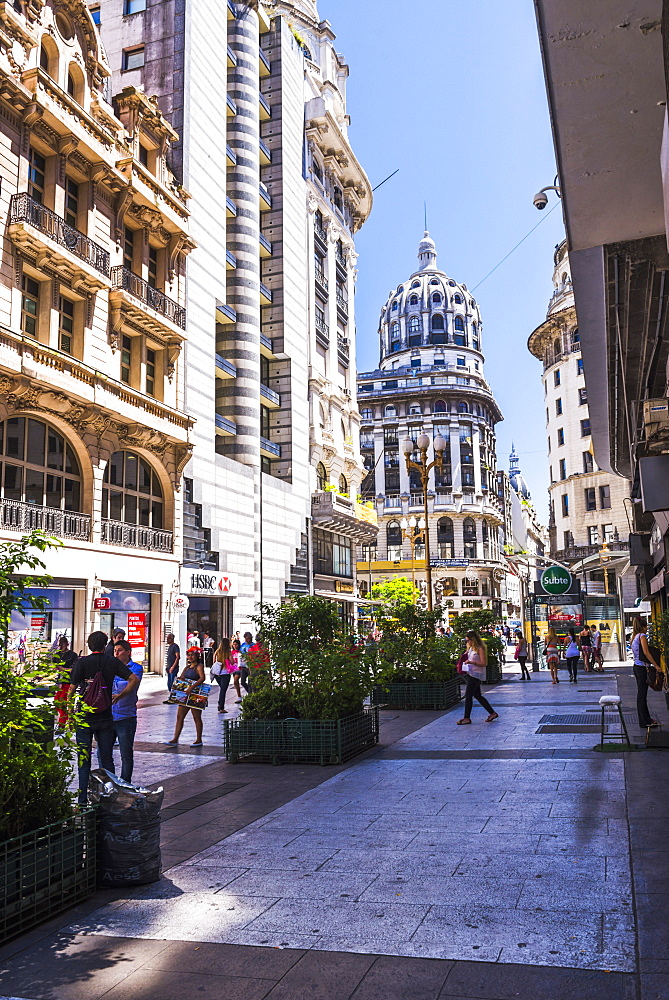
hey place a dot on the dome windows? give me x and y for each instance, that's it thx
(413, 301)
(415, 284)
(434, 281)
(438, 322)
(395, 306)
(414, 409)
(451, 283)
(390, 411)
(415, 328)
(436, 298)
(439, 406)
(457, 298)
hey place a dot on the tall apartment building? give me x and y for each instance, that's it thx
(589, 508)
(431, 380)
(257, 92)
(93, 429)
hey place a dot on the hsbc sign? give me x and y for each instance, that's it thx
(200, 583)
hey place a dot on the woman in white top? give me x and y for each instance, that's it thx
(474, 670)
(640, 650)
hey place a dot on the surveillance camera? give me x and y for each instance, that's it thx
(540, 200)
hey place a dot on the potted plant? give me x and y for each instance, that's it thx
(309, 683)
(417, 666)
(47, 849)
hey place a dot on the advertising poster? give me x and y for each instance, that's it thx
(137, 634)
(198, 698)
(565, 616)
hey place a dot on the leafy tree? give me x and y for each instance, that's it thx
(34, 770)
(481, 621)
(396, 592)
(410, 648)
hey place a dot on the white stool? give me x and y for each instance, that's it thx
(613, 701)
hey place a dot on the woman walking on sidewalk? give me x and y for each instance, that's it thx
(521, 655)
(552, 654)
(642, 657)
(474, 670)
(571, 656)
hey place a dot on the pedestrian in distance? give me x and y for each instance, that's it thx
(117, 633)
(171, 663)
(596, 643)
(208, 645)
(234, 668)
(194, 674)
(585, 643)
(642, 657)
(552, 651)
(244, 647)
(124, 711)
(64, 659)
(474, 669)
(220, 672)
(520, 655)
(93, 677)
(571, 655)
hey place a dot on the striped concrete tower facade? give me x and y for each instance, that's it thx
(243, 405)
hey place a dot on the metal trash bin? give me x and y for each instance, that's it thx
(128, 830)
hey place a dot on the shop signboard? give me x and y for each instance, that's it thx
(556, 580)
(180, 603)
(201, 583)
(562, 617)
(37, 626)
(137, 634)
(441, 563)
(102, 604)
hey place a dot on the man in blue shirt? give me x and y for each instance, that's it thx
(244, 670)
(124, 711)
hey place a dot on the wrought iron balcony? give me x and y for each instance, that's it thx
(152, 297)
(342, 304)
(574, 552)
(23, 208)
(341, 514)
(343, 346)
(322, 332)
(135, 536)
(321, 283)
(24, 517)
(320, 234)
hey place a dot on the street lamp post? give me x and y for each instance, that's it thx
(424, 468)
(409, 532)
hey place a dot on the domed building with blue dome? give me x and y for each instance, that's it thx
(431, 380)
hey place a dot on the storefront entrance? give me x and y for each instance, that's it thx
(212, 615)
(131, 611)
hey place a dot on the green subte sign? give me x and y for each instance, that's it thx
(556, 580)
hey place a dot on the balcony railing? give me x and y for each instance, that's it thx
(142, 290)
(23, 208)
(322, 332)
(583, 551)
(270, 394)
(264, 194)
(226, 366)
(230, 259)
(321, 282)
(342, 304)
(266, 342)
(393, 501)
(270, 446)
(265, 149)
(343, 346)
(24, 517)
(416, 500)
(320, 234)
(135, 536)
(265, 292)
(225, 425)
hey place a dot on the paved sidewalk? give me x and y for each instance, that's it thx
(488, 861)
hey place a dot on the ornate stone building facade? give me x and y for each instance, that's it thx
(92, 326)
(589, 508)
(431, 380)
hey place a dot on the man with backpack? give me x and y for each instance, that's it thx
(93, 676)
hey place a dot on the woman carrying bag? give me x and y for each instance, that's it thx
(521, 655)
(572, 653)
(474, 668)
(220, 671)
(552, 651)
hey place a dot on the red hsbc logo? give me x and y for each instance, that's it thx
(224, 584)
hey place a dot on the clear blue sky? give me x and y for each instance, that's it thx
(452, 93)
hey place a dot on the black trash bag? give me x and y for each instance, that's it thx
(128, 841)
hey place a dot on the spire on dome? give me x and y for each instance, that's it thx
(513, 460)
(427, 252)
(515, 475)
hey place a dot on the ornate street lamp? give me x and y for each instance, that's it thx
(424, 468)
(414, 531)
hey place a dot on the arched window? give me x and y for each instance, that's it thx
(394, 336)
(343, 485)
(451, 283)
(414, 409)
(470, 586)
(394, 541)
(48, 57)
(449, 586)
(557, 348)
(38, 465)
(131, 491)
(366, 413)
(437, 322)
(415, 329)
(459, 323)
(439, 406)
(434, 281)
(390, 411)
(463, 408)
(445, 537)
(436, 298)
(321, 476)
(396, 305)
(564, 278)
(415, 284)
(457, 298)
(469, 537)
(75, 83)
(413, 301)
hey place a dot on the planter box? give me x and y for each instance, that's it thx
(493, 673)
(44, 872)
(303, 741)
(416, 694)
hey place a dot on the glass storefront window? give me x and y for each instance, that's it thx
(131, 611)
(33, 632)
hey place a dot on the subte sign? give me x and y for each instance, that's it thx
(556, 580)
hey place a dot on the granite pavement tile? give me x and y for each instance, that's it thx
(431, 889)
(224, 959)
(322, 976)
(148, 984)
(302, 885)
(477, 981)
(388, 862)
(403, 979)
